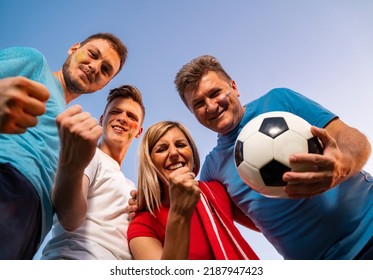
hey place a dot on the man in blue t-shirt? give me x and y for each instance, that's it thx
(31, 97)
(330, 211)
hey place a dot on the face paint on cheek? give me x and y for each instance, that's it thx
(133, 128)
(189, 154)
(80, 57)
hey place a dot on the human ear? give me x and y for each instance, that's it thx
(73, 48)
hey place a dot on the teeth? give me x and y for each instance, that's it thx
(118, 129)
(175, 166)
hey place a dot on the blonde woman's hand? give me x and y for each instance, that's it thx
(184, 192)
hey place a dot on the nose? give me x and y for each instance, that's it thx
(122, 119)
(174, 153)
(211, 105)
(93, 66)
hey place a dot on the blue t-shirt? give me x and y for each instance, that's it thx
(333, 225)
(35, 152)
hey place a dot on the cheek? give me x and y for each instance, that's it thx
(200, 115)
(157, 160)
(133, 128)
(101, 81)
(189, 154)
(80, 57)
(223, 99)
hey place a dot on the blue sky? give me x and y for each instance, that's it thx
(322, 49)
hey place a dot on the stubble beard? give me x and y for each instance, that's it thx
(72, 84)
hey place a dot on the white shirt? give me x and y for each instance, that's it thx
(103, 234)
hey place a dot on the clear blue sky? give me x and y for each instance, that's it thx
(322, 49)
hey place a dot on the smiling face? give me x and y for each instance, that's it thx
(122, 121)
(90, 67)
(215, 103)
(172, 151)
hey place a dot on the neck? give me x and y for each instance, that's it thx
(69, 96)
(116, 153)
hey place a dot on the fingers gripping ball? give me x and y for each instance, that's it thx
(263, 147)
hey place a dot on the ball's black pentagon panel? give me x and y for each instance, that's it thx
(272, 173)
(273, 126)
(238, 152)
(314, 146)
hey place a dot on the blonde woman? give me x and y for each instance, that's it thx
(180, 217)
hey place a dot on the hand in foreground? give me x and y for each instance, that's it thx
(319, 173)
(184, 191)
(21, 101)
(79, 135)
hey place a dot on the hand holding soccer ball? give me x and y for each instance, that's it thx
(263, 148)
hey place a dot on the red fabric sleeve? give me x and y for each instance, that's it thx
(144, 224)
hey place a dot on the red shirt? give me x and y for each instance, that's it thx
(200, 248)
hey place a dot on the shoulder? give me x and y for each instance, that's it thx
(18, 52)
(145, 224)
(280, 92)
(23, 61)
(147, 219)
(142, 217)
(280, 99)
(129, 183)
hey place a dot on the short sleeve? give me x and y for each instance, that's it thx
(145, 225)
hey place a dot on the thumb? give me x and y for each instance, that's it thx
(325, 138)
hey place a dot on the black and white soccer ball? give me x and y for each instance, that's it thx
(263, 147)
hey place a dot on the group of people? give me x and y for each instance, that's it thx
(60, 168)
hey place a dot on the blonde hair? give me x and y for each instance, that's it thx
(150, 184)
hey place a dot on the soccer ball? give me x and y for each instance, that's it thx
(263, 147)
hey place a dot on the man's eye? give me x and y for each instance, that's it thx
(93, 55)
(198, 105)
(105, 71)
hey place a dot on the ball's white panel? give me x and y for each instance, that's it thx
(258, 150)
(251, 176)
(299, 125)
(287, 144)
(250, 129)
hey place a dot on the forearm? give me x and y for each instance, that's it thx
(79, 134)
(177, 239)
(355, 148)
(70, 198)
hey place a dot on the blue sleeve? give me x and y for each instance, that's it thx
(21, 61)
(205, 175)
